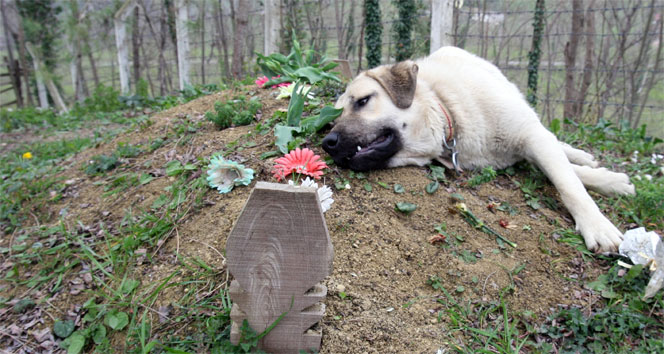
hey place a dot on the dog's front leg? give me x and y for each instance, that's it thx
(542, 148)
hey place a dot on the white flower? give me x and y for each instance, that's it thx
(648, 177)
(287, 91)
(654, 158)
(308, 182)
(325, 197)
(324, 192)
(347, 186)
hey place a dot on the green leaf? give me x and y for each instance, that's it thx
(599, 284)
(129, 285)
(160, 201)
(399, 189)
(174, 168)
(634, 272)
(284, 135)
(277, 81)
(76, 343)
(367, 187)
(99, 334)
(145, 178)
(311, 74)
(63, 329)
(457, 197)
(23, 305)
(432, 187)
(117, 320)
(609, 294)
(405, 207)
(533, 203)
(383, 184)
(268, 154)
(295, 106)
(327, 115)
(460, 289)
(437, 173)
(555, 126)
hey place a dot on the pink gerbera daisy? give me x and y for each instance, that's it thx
(299, 161)
(261, 81)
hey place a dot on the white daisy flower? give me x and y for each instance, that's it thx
(324, 192)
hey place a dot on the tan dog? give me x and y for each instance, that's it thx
(454, 102)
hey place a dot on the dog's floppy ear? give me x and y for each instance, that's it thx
(399, 81)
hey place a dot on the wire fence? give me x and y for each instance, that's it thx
(616, 74)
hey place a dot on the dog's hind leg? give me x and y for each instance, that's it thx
(603, 181)
(578, 157)
(542, 148)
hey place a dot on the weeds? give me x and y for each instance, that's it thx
(487, 175)
(234, 112)
(625, 324)
(28, 183)
(485, 326)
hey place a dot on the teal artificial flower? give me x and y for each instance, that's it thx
(226, 174)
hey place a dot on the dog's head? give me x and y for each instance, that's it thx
(380, 120)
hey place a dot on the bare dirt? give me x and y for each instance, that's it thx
(379, 299)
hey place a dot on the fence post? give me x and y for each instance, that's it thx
(182, 9)
(121, 43)
(442, 19)
(271, 27)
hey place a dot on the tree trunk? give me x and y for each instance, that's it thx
(570, 58)
(12, 65)
(339, 20)
(360, 45)
(241, 18)
(202, 12)
(136, 43)
(146, 64)
(161, 40)
(183, 42)
(588, 67)
(644, 90)
(221, 32)
(8, 13)
(271, 23)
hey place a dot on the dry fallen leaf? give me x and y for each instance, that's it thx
(437, 238)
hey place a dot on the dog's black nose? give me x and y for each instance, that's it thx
(331, 142)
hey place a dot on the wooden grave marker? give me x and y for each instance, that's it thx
(278, 252)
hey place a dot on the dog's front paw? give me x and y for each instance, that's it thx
(600, 234)
(585, 159)
(618, 183)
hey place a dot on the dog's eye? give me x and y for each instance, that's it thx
(362, 101)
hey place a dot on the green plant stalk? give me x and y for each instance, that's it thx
(475, 222)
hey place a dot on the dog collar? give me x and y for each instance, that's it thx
(450, 131)
(450, 144)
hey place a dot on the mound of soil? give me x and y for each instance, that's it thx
(379, 298)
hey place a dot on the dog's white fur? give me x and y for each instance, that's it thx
(493, 126)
